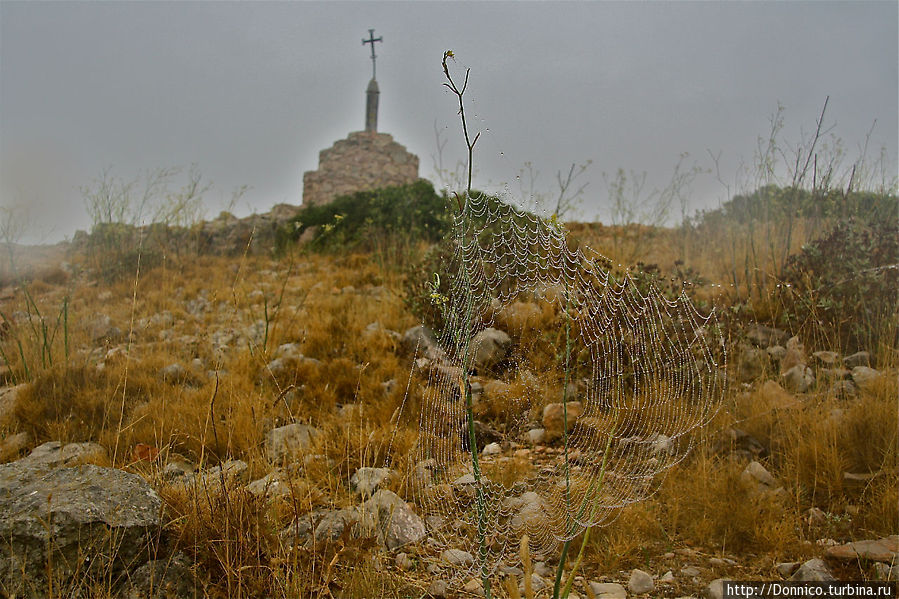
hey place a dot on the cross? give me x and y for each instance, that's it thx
(371, 40)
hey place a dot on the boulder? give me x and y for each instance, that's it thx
(640, 582)
(365, 481)
(88, 522)
(421, 341)
(879, 550)
(54, 453)
(397, 525)
(488, 348)
(814, 570)
(864, 377)
(608, 590)
(798, 379)
(554, 415)
(861, 358)
(286, 441)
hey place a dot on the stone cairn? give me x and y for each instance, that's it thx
(364, 160)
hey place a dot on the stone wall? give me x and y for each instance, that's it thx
(364, 160)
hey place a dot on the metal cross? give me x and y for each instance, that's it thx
(371, 40)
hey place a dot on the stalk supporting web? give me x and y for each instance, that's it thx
(644, 371)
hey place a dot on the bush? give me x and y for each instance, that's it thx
(367, 220)
(845, 283)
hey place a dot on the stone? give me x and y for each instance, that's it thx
(827, 359)
(777, 352)
(756, 472)
(751, 363)
(492, 449)
(741, 443)
(421, 341)
(667, 577)
(173, 374)
(365, 481)
(287, 441)
(96, 520)
(230, 472)
(270, 485)
(690, 571)
(554, 415)
(397, 525)
(815, 516)
(488, 348)
(537, 584)
(776, 396)
(861, 358)
(795, 354)
(763, 336)
(608, 590)
(879, 550)
(714, 590)
(437, 588)
(640, 582)
(886, 572)
(404, 562)
(365, 160)
(474, 587)
(814, 570)
(169, 578)
(536, 436)
(798, 379)
(843, 390)
(457, 557)
(54, 453)
(864, 377)
(8, 398)
(786, 569)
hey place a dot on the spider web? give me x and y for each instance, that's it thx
(645, 369)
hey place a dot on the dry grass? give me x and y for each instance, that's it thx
(325, 305)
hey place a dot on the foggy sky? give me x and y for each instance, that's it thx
(251, 92)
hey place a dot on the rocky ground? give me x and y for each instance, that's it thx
(106, 510)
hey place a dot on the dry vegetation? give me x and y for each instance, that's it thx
(224, 321)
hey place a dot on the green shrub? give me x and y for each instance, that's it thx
(367, 220)
(845, 283)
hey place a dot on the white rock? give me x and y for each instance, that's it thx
(640, 582)
(608, 590)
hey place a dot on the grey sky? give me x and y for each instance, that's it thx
(251, 92)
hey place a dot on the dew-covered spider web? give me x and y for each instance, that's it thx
(631, 373)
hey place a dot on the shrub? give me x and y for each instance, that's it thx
(365, 220)
(845, 283)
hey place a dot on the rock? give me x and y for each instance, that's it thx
(690, 571)
(777, 352)
(640, 582)
(536, 436)
(96, 520)
(270, 485)
(528, 511)
(776, 397)
(457, 557)
(827, 359)
(608, 590)
(815, 517)
(814, 570)
(751, 363)
(795, 355)
(798, 379)
(365, 481)
(864, 377)
(756, 472)
(173, 374)
(879, 550)
(537, 584)
(177, 469)
(54, 453)
(8, 398)
(162, 579)
(484, 434)
(861, 358)
(404, 562)
(474, 587)
(231, 472)
(786, 569)
(667, 577)
(741, 443)
(396, 523)
(286, 441)
(492, 449)
(762, 336)
(488, 348)
(331, 524)
(886, 572)
(437, 588)
(421, 341)
(715, 589)
(553, 416)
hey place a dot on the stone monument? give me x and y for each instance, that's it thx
(363, 161)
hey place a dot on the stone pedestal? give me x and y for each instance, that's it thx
(365, 160)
